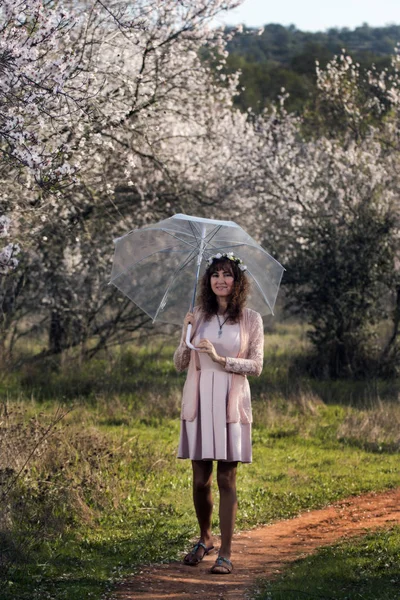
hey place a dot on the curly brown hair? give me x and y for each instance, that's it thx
(208, 300)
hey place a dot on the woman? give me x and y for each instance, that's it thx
(216, 406)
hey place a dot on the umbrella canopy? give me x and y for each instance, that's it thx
(158, 266)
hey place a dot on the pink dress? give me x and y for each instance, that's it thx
(209, 436)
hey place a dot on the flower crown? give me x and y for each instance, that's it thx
(229, 256)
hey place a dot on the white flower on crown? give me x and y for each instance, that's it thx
(230, 256)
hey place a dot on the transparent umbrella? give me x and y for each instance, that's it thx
(158, 266)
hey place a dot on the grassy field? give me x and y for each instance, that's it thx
(366, 568)
(90, 494)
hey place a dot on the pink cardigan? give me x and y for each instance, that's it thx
(249, 361)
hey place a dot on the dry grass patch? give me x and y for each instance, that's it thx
(375, 428)
(53, 474)
(284, 417)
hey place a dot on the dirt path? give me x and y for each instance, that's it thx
(264, 551)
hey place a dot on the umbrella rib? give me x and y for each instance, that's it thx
(170, 232)
(194, 233)
(213, 233)
(132, 264)
(175, 236)
(173, 276)
(163, 228)
(261, 290)
(180, 239)
(233, 246)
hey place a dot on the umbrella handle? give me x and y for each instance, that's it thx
(188, 334)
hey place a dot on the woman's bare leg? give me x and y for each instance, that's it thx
(226, 477)
(202, 498)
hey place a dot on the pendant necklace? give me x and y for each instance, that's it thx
(221, 325)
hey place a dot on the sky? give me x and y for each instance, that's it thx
(314, 15)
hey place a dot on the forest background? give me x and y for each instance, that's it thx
(285, 57)
(117, 116)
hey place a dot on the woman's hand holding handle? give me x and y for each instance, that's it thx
(207, 347)
(187, 329)
(188, 320)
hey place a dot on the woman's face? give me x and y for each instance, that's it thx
(222, 281)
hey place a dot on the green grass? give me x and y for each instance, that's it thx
(106, 492)
(154, 520)
(366, 568)
(130, 372)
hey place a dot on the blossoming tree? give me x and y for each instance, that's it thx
(152, 138)
(153, 131)
(328, 188)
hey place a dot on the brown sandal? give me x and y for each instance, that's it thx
(222, 566)
(192, 558)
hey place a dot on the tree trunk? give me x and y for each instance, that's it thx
(56, 333)
(396, 324)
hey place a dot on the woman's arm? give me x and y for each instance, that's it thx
(253, 364)
(182, 357)
(182, 353)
